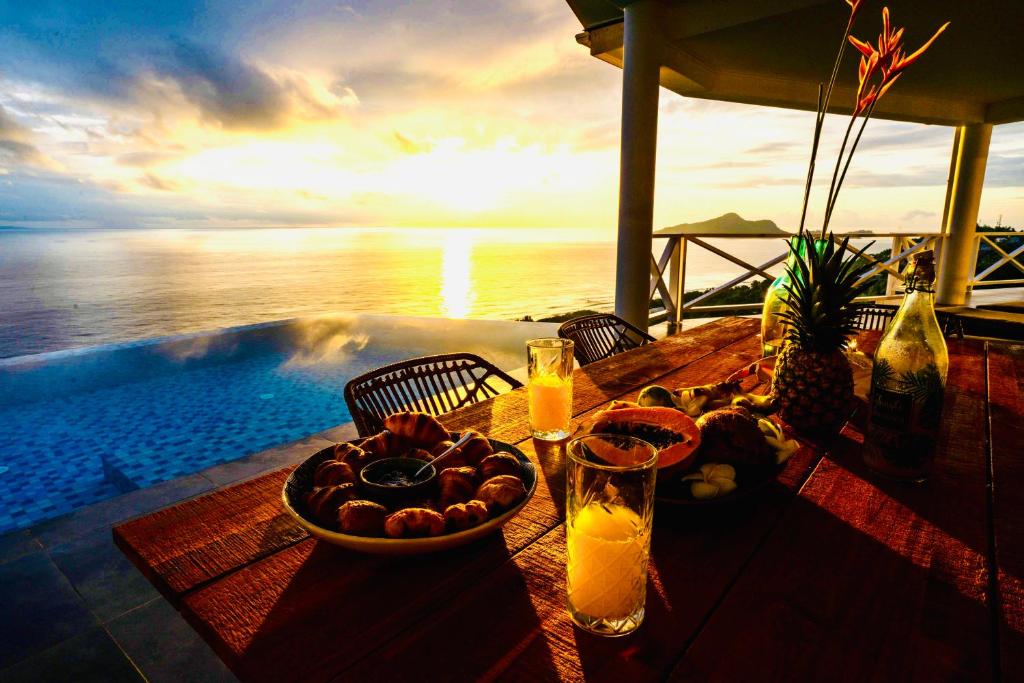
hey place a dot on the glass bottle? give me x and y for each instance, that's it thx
(773, 328)
(908, 382)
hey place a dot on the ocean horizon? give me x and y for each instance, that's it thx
(63, 288)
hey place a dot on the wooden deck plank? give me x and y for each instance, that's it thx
(241, 614)
(866, 579)
(1006, 441)
(195, 542)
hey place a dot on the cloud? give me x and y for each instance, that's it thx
(15, 146)
(410, 147)
(918, 214)
(768, 148)
(237, 95)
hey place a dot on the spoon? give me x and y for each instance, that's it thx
(451, 449)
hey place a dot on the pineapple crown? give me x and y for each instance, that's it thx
(823, 284)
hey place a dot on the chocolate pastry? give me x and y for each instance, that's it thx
(457, 485)
(419, 429)
(332, 473)
(499, 463)
(501, 493)
(476, 449)
(323, 502)
(414, 523)
(362, 518)
(462, 516)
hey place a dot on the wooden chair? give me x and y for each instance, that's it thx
(600, 336)
(877, 317)
(431, 384)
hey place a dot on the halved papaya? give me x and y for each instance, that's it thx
(673, 433)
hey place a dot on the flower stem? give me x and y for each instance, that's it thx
(846, 167)
(832, 189)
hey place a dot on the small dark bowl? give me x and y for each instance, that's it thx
(372, 476)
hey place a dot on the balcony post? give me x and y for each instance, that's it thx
(677, 283)
(964, 199)
(640, 82)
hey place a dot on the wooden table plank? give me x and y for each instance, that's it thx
(177, 555)
(867, 579)
(241, 615)
(1006, 443)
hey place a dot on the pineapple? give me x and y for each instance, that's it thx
(813, 382)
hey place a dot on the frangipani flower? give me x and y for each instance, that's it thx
(712, 480)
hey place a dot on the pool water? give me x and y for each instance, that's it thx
(64, 449)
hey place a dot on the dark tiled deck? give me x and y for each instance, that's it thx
(72, 608)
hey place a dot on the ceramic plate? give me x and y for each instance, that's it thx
(301, 480)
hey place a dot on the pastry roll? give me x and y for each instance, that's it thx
(323, 502)
(414, 523)
(499, 463)
(418, 429)
(332, 473)
(362, 518)
(476, 449)
(457, 485)
(385, 445)
(462, 516)
(501, 493)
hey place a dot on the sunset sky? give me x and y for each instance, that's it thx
(386, 113)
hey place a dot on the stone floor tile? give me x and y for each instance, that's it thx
(90, 657)
(265, 461)
(18, 544)
(108, 583)
(165, 648)
(38, 608)
(116, 510)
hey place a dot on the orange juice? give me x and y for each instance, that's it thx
(550, 398)
(606, 548)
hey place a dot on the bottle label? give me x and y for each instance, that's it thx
(905, 413)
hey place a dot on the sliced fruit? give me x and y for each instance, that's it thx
(655, 396)
(674, 434)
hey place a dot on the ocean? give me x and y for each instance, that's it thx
(67, 288)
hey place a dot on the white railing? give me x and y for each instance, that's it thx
(668, 271)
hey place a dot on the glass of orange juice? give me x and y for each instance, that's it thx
(550, 387)
(608, 516)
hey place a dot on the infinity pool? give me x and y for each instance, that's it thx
(80, 426)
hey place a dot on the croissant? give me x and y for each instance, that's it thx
(362, 518)
(497, 464)
(414, 522)
(419, 429)
(323, 502)
(346, 452)
(462, 516)
(333, 472)
(386, 444)
(501, 493)
(454, 459)
(420, 454)
(476, 449)
(457, 485)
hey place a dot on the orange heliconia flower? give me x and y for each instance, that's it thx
(888, 57)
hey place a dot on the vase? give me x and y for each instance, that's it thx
(773, 327)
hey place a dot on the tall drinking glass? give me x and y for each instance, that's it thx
(550, 387)
(608, 517)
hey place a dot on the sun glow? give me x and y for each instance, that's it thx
(457, 293)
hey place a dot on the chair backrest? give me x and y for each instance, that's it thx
(877, 317)
(600, 336)
(430, 384)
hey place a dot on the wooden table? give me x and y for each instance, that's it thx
(832, 574)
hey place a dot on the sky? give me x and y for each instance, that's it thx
(478, 113)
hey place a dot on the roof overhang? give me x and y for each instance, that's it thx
(775, 52)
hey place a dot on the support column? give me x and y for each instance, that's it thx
(677, 284)
(640, 82)
(964, 200)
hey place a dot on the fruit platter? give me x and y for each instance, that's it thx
(717, 443)
(391, 493)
